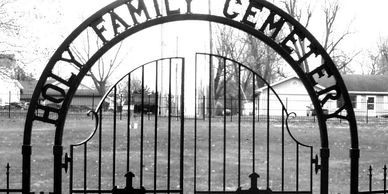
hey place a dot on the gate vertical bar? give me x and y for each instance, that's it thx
(210, 122)
(129, 122)
(156, 126)
(182, 126)
(195, 122)
(297, 167)
(114, 136)
(7, 176)
(169, 129)
(93, 96)
(85, 166)
(283, 149)
(370, 178)
(71, 169)
(224, 154)
(142, 128)
(253, 126)
(385, 179)
(268, 120)
(99, 148)
(239, 128)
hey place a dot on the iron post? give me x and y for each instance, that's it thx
(325, 154)
(58, 152)
(26, 173)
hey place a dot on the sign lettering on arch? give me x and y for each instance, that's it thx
(112, 24)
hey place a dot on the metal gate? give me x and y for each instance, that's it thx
(161, 145)
(233, 155)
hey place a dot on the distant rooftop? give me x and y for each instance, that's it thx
(361, 83)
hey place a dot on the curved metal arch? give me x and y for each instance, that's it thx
(306, 78)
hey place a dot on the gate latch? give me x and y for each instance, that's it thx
(65, 165)
(317, 166)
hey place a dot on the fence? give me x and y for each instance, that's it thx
(302, 108)
(371, 182)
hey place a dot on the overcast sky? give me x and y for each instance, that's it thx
(47, 22)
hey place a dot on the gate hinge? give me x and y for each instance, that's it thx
(317, 166)
(65, 165)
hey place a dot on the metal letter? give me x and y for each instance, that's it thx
(47, 110)
(157, 9)
(291, 38)
(188, 2)
(320, 71)
(140, 7)
(100, 30)
(249, 12)
(117, 22)
(55, 88)
(273, 25)
(171, 12)
(72, 59)
(313, 49)
(226, 8)
(331, 96)
(68, 83)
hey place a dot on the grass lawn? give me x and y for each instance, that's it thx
(373, 143)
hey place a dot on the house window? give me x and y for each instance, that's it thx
(370, 102)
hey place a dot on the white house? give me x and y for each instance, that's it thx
(9, 90)
(369, 93)
(369, 96)
(292, 95)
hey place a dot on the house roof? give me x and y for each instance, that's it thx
(354, 83)
(4, 78)
(29, 87)
(319, 87)
(361, 83)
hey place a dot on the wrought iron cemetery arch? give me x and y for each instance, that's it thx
(244, 20)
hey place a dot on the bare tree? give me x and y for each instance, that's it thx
(249, 51)
(379, 60)
(8, 27)
(263, 60)
(105, 66)
(229, 44)
(331, 40)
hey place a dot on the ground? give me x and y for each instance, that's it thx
(373, 143)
